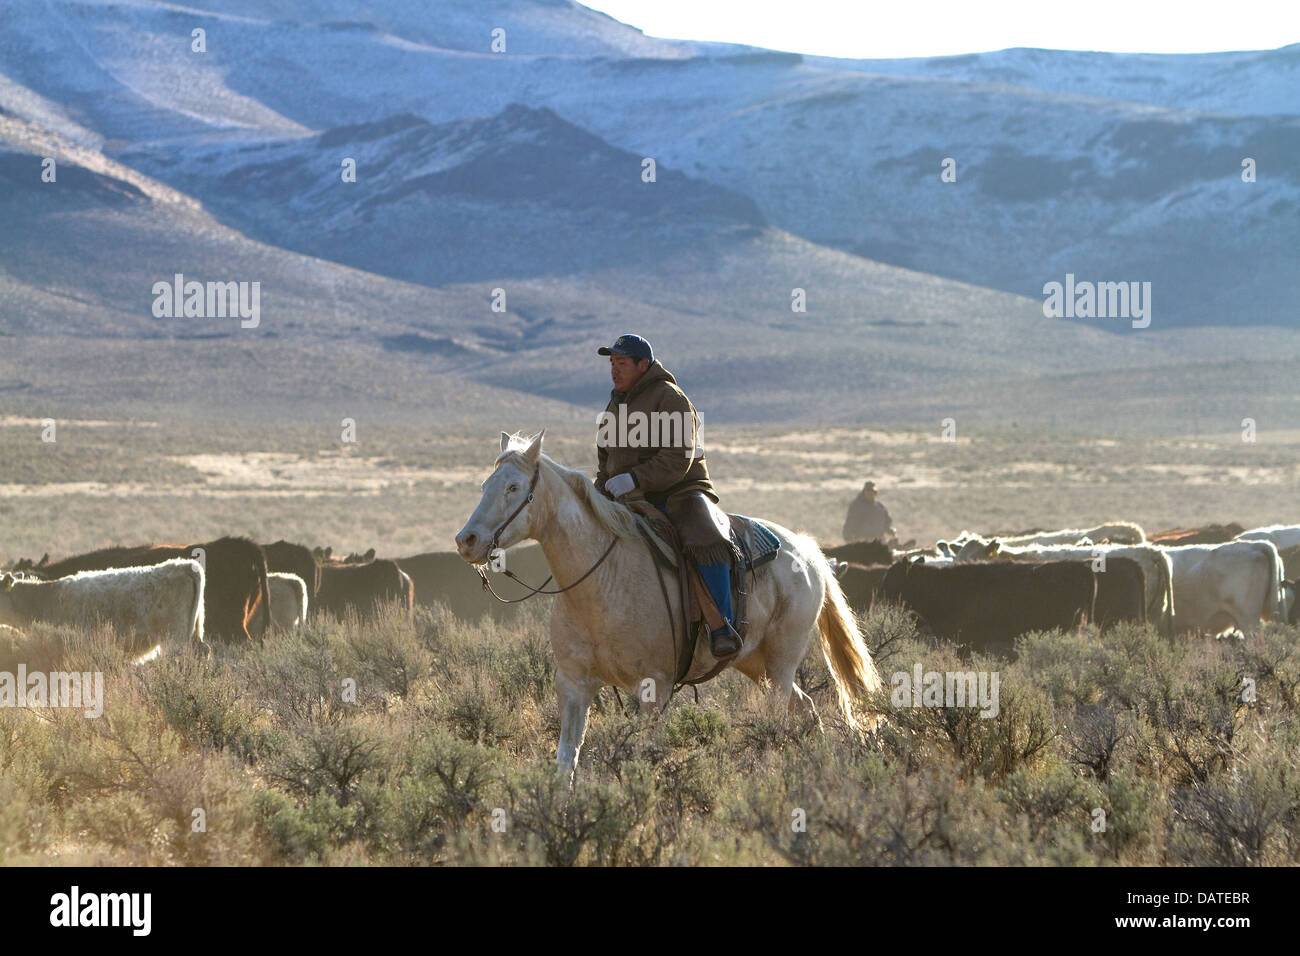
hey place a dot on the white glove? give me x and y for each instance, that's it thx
(620, 485)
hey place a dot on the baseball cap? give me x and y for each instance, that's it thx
(630, 345)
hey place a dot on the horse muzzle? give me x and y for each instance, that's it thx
(472, 546)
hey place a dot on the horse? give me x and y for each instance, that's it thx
(605, 626)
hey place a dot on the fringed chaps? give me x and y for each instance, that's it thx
(704, 529)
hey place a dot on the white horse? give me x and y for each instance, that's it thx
(611, 627)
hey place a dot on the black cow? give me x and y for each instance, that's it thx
(1121, 593)
(363, 587)
(860, 583)
(443, 577)
(295, 559)
(861, 552)
(987, 605)
(1206, 534)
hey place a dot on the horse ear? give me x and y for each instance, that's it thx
(505, 441)
(534, 446)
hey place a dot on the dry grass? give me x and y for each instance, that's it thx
(445, 755)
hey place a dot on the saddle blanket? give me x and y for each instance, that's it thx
(757, 543)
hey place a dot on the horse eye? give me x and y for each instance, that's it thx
(512, 489)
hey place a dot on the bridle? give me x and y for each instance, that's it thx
(496, 544)
(532, 489)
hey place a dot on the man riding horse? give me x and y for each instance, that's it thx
(647, 447)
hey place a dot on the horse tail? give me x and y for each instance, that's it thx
(846, 655)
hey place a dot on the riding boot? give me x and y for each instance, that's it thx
(725, 641)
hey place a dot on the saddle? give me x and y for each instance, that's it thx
(752, 546)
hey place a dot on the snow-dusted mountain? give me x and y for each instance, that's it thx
(480, 167)
(523, 193)
(1248, 83)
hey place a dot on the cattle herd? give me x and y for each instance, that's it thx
(980, 590)
(231, 590)
(985, 590)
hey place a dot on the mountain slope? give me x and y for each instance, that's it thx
(1112, 167)
(1248, 83)
(522, 193)
(778, 176)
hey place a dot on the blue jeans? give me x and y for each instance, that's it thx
(717, 578)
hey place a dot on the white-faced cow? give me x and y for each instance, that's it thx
(1286, 538)
(1223, 586)
(1283, 536)
(235, 592)
(159, 605)
(289, 601)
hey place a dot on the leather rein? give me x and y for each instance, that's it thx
(496, 544)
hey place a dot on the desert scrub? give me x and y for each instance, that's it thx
(868, 816)
(433, 743)
(127, 787)
(1248, 817)
(601, 823)
(202, 700)
(991, 747)
(389, 655)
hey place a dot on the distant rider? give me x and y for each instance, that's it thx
(867, 519)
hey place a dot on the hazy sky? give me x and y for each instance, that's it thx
(896, 28)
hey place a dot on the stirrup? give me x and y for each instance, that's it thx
(725, 641)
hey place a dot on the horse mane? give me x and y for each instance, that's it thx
(619, 520)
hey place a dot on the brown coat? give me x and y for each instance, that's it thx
(658, 456)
